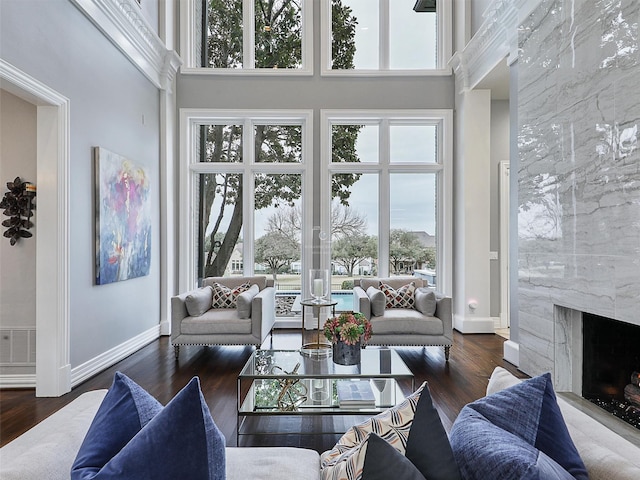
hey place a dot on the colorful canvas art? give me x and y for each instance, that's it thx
(123, 218)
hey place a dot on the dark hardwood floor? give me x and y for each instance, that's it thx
(453, 384)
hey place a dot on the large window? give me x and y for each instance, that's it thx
(246, 194)
(247, 36)
(384, 37)
(388, 185)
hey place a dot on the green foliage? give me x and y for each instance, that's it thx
(275, 250)
(349, 251)
(405, 247)
(347, 285)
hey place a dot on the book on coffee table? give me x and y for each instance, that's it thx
(355, 393)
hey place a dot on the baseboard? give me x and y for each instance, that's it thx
(165, 327)
(10, 380)
(287, 323)
(512, 352)
(97, 364)
(473, 324)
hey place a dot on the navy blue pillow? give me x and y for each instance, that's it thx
(528, 410)
(181, 441)
(382, 462)
(132, 406)
(428, 446)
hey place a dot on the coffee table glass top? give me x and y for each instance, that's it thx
(375, 363)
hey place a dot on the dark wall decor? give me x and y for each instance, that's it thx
(18, 206)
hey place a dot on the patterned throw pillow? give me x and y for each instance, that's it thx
(400, 298)
(346, 460)
(225, 297)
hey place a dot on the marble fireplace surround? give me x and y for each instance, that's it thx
(567, 341)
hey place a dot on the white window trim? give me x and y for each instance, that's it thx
(189, 168)
(191, 63)
(445, 46)
(444, 119)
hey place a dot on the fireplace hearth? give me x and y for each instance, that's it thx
(611, 362)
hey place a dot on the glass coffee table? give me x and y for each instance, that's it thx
(289, 383)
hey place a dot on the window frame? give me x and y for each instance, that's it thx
(443, 119)
(191, 65)
(190, 168)
(444, 51)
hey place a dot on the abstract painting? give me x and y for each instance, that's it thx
(123, 218)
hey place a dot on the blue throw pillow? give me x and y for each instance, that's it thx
(486, 451)
(181, 441)
(528, 411)
(382, 462)
(132, 406)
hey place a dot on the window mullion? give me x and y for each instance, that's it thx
(384, 35)
(248, 34)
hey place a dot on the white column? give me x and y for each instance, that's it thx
(471, 299)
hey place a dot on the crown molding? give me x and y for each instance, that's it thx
(122, 22)
(495, 41)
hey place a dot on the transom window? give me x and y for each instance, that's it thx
(377, 37)
(247, 36)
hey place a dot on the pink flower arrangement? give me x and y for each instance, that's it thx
(348, 327)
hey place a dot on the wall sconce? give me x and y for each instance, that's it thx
(18, 203)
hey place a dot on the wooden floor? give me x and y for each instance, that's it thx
(453, 384)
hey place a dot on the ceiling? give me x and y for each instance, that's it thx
(497, 80)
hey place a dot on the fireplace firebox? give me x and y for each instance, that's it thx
(611, 362)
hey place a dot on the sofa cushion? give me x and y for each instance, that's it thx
(426, 301)
(527, 410)
(272, 463)
(199, 301)
(395, 282)
(225, 297)
(377, 300)
(402, 297)
(133, 408)
(406, 320)
(181, 441)
(216, 320)
(244, 301)
(346, 459)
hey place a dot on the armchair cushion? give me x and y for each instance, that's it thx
(199, 301)
(426, 301)
(244, 301)
(399, 321)
(226, 297)
(403, 297)
(378, 301)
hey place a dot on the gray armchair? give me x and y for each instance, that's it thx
(405, 326)
(195, 322)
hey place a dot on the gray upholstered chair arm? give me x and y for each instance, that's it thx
(444, 313)
(263, 311)
(361, 302)
(178, 312)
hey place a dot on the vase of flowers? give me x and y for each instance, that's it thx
(347, 332)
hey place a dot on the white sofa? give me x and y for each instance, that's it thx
(47, 451)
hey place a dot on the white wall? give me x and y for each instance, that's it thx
(499, 152)
(18, 262)
(113, 106)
